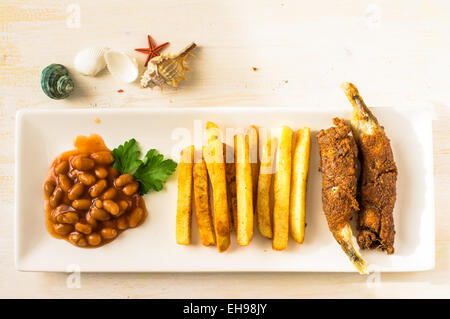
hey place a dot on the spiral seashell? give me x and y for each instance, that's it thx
(56, 82)
(167, 69)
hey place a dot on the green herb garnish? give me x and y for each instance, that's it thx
(151, 172)
(126, 157)
(154, 171)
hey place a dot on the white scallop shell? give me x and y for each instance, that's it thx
(90, 61)
(121, 66)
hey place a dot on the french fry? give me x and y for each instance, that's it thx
(213, 154)
(263, 211)
(282, 185)
(254, 159)
(215, 147)
(230, 171)
(184, 202)
(300, 163)
(244, 190)
(202, 207)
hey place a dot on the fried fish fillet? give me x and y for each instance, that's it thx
(338, 164)
(378, 177)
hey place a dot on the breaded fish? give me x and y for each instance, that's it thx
(338, 164)
(378, 177)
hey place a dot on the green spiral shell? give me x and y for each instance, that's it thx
(56, 82)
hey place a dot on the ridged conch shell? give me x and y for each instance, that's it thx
(122, 66)
(90, 61)
(166, 69)
(56, 82)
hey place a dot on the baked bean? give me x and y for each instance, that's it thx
(94, 239)
(49, 187)
(104, 157)
(101, 172)
(110, 193)
(66, 200)
(64, 182)
(122, 222)
(124, 179)
(61, 209)
(56, 197)
(75, 191)
(98, 188)
(81, 204)
(67, 218)
(99, 214)
(98, 203)
(111, 207)
(77, 239)
(87, 179)
(135, 217)
(83, 163)
(109, 224)
(62, 168)
(91, 220)
(108, 233)
(62, 229)
(73, 174)
(113, 172)
(83, 228)
(123, 204)
(130, 189)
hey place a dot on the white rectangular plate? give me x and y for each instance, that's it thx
(42, 135)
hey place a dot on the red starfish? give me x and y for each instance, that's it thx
(152, 50)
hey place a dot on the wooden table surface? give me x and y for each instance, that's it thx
(396, 52)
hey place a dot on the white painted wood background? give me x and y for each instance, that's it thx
(396, 52)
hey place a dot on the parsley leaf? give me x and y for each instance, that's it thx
(151, 172)
(126, 157)
(154, 171)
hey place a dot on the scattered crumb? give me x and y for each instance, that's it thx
(120, 91)
(97, 120)
(170, 101)
(254, 68)
(286, 81)
(306, 224)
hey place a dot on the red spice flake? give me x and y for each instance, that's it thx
(120, 91)
(254, 69)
